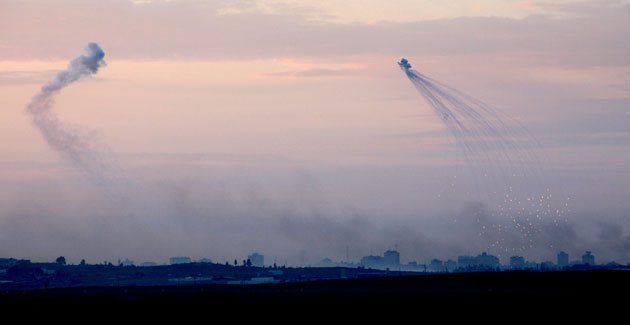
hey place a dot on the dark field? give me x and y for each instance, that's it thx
(469, 292)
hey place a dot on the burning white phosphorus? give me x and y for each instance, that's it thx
(494, 147)
(74, 147)
(498, 151)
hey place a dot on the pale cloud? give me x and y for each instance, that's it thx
(374, 11)
(314, 73)
(195, 30)
(20, 77)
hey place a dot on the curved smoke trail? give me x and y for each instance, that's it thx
(67, 141)
(495, 147)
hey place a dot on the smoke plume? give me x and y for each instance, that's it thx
(68, 141)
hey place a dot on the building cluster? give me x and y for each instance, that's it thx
(23, 274)
(255, 259)
(391, 259)
(562, 262)
(482, 262)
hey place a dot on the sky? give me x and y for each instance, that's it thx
(287, 128)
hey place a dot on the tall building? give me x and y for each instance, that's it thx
(588, 258)
(436, 266)
(486, 260)
(257, 259)
(450, 265)
(517, 262)
(371, 261)
(465, 261)
(563, 259)
(391, 258)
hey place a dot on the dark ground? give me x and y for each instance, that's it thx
(451, 295)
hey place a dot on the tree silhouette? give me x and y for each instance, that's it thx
(61, 260)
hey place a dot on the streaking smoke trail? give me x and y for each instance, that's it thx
(74, 147)
(501, 155)
(495, 147)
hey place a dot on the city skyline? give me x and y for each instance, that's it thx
(390, 258)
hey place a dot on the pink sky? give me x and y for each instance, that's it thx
(313, 88)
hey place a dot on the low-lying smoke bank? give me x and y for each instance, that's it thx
(67, 141)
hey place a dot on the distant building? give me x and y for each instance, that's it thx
(450, 265)
(466, 261)
(391, 258)
(371, 261)
(480, 261)
(529, 265)
(180, 260)
(517, 262)
(486, 260)
(588, 258)
(148, 264)
(436, 266)
(257, 260)
(205, 260)
(563, 259)
(547, 266)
